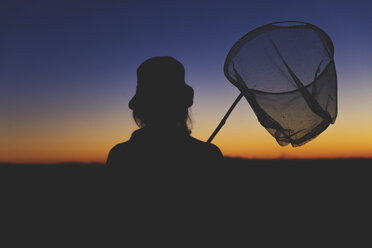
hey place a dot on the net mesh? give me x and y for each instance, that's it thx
(287, 74)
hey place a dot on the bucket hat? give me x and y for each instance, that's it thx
(161, 79)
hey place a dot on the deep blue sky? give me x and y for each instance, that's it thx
(76, 42)
(74, 59)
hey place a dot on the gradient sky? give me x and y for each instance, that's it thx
(68, 70)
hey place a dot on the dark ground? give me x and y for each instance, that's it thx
(276, 200)
(341, 176)
(284, 163)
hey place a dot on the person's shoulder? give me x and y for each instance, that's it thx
(117, 153)
(120, 147)
(207, 147)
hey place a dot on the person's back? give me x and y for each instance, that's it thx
(160, 108)
(163, 147)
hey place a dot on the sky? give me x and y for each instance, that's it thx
(68, 71)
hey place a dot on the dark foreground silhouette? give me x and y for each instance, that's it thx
(292, 202)
(318, 181)
(312, 173)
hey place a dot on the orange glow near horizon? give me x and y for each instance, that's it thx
(88, 138)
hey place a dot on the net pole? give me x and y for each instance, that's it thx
(223, 121)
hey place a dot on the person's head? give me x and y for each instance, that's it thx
(162, 97)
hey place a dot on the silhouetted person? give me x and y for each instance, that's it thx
(160, 109)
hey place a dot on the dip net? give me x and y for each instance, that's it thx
(286, 72)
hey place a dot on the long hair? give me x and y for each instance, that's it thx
(174, 117)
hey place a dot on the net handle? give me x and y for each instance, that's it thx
(223, 121)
